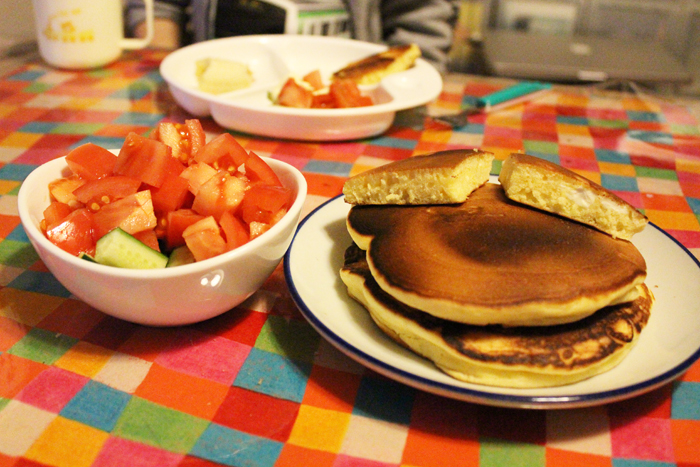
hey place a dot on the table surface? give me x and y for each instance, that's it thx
(78, 388)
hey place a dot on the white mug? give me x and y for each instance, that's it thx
(83, 34)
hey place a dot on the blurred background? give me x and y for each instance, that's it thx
(672, 24)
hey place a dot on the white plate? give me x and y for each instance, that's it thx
(667, 347)
(272, 59)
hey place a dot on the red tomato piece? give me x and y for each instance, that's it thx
(133, 214)
(314, 79)
(262, 202)
(146, 159)
(347, 94)
(204, 239)
(55, 213)
(106, 190)
(324, 101)
(258, 171)
(293, 94)
(91, 162)
(171, 195)
(220, 193)
(196, 136)
(74, 234)
(223, 152)
(197, 175)
(148, 238)
(235, 230)
(177, 222)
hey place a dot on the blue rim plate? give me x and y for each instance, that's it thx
(668, 346)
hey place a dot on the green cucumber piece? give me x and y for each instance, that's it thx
(179, 256)
(87, 257)
(118, 248)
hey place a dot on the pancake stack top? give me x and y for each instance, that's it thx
(518, 292)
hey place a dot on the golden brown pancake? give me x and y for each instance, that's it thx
(372, 69)
(520, 357)
(493, 261)
(548, 186)
(438, 178)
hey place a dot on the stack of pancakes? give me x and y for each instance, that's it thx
(544, 289)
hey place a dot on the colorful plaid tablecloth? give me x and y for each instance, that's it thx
(258, 386)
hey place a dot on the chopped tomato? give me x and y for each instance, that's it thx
(197, 175)
(324, 101)
(132, 214)
(177, 222)
(106, 190)
(74, 234)
(171, 195)
(295, 95)
(63, 188)
(185, 140)
(204, 239)
(148, 238)
(146, 159)
(235, 230)
(90, 161)
(223, 152)
(347, 94)
(55, 213)
(262, 202)
(314, 79)
(220, 193)
(257, 170)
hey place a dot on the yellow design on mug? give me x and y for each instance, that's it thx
(61, 27)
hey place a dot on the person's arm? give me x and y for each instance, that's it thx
(429, 24)
(167, 22)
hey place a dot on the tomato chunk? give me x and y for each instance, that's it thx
(204, 239)
(74, 234)
(257, 170)
(55, 213)
(235, 230)
(91, 161)
(223, 152)
(295, 95)
(145, 159)
(220, 193)
(262, 202)
(171, 195)
(132, 214)
(177, 222)
(105, 190)
(347, 94)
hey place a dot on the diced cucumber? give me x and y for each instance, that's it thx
(180, 255)
(87, 257)
(118, 248)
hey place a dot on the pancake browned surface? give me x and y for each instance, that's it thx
(492, 261)
(372, 69)
(521, 357)
(548, 186)
(438, 178)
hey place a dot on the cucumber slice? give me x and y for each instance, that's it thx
(120, 249)
(180, 255)
(87, 257)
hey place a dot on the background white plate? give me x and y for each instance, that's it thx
(272, 59)
(667, 347)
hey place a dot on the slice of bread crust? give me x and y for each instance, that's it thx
(443, 177)
(372, 69)
(544, 185)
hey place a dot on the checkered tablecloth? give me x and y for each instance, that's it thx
(258, 386)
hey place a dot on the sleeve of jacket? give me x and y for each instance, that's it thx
(135, 12)
(428, 23)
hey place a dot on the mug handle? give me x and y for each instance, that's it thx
(140, 43)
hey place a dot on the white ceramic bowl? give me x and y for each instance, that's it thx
(163, 297)
(272, 59)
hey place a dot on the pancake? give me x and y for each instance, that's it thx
(519, 357)
(372, 69)
(493, 261)
(438, 178)
(548, 186)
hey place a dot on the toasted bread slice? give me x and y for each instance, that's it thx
(440, 178)
(550, 187)
(372, 69)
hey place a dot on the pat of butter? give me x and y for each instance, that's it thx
(217, 76)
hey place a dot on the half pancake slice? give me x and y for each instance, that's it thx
(545, 185)
(372, 69)
(518, 357)
(493, 261)
(438, 178)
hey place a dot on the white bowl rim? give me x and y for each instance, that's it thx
(199, 267)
